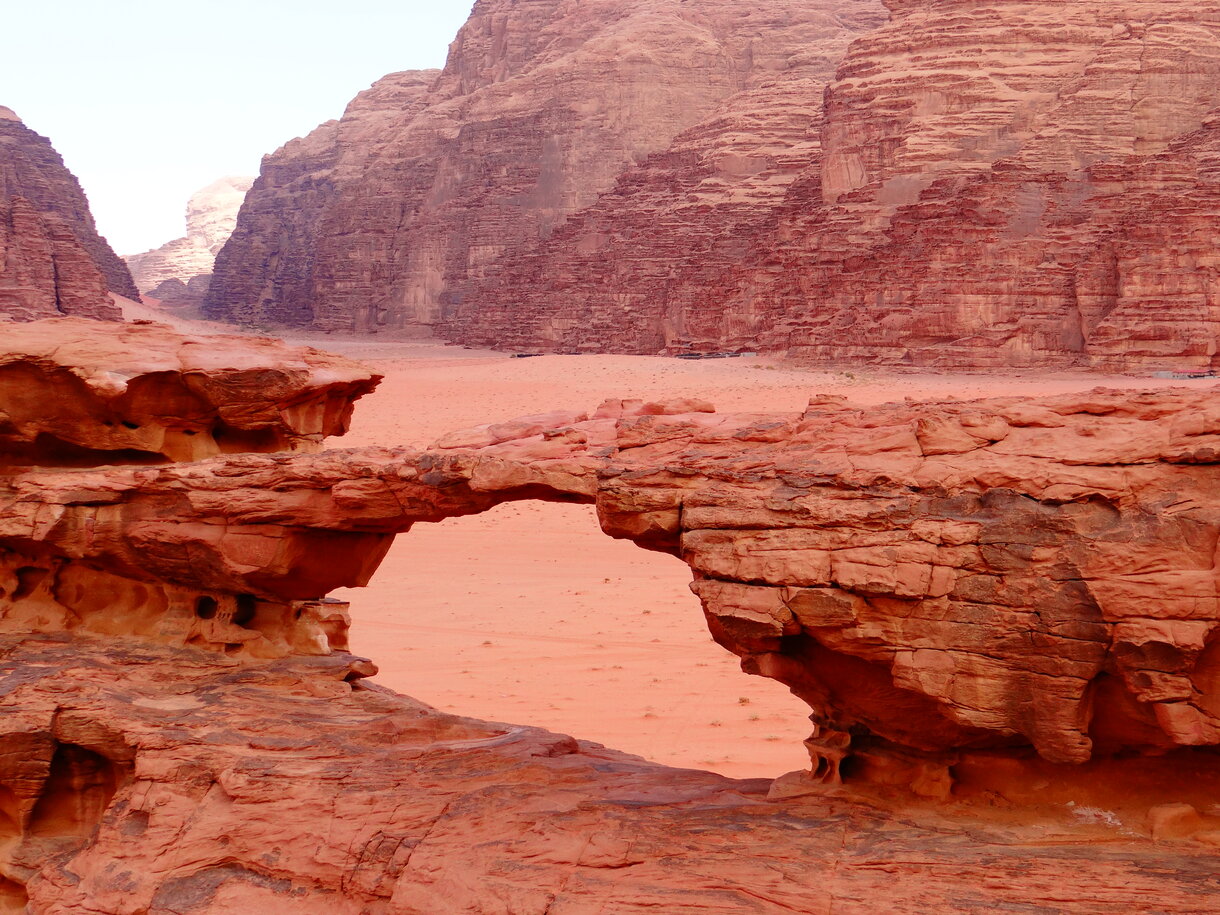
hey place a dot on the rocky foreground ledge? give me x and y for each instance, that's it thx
(1002, 614)
(75, 392)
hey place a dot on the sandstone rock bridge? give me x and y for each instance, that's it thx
(955, 588)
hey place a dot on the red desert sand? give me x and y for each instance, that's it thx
(528, 613)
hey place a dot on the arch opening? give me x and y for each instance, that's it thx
(529, 613)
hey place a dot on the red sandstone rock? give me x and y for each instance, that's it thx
(541, 107)
(173, 293)
(941, 577)
(643, 269)
(980, 185)
(947, 584)
(52, 261)
(46, 271)
(76, 392)
(141, 778)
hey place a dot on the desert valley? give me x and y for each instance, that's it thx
(681, 456)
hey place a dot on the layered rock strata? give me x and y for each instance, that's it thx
(951, 586)
(211, 214)
(52, 260)
(143, 778)
(539, 110)
(1057, 223)
(994, 185)
(943, 578)
(73, 392)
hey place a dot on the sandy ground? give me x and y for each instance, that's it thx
(529, 614)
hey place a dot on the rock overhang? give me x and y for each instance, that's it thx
(944, 577)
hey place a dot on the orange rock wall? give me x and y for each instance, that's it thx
(1010, 184)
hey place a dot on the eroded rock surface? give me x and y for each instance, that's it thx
(991, 575)
(142, 778)
(76, 392)
(430, 182)
(52, 260)
(1006, 607)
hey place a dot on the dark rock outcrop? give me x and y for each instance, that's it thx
(53, 260)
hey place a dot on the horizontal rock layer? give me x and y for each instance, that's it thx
(76, 392)
(942, 577)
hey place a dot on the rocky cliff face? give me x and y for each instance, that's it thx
(270, 271)
(211, 214)
(1019, 183)
(1001, 184)
(53, 261)
(541, 107)
(1041, 209)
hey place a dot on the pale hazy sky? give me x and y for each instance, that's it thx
(149, 100)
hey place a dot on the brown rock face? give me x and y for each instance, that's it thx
(978, 185)
(76, 393)
(52, 261)
(272, 267)
(995, 185)
(1042, 209)
(540, 108)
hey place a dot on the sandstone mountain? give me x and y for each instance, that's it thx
(211, 214)
(1016, 183)
(52, 260)
(384, 218)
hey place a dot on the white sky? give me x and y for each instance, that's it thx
(149, 100)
